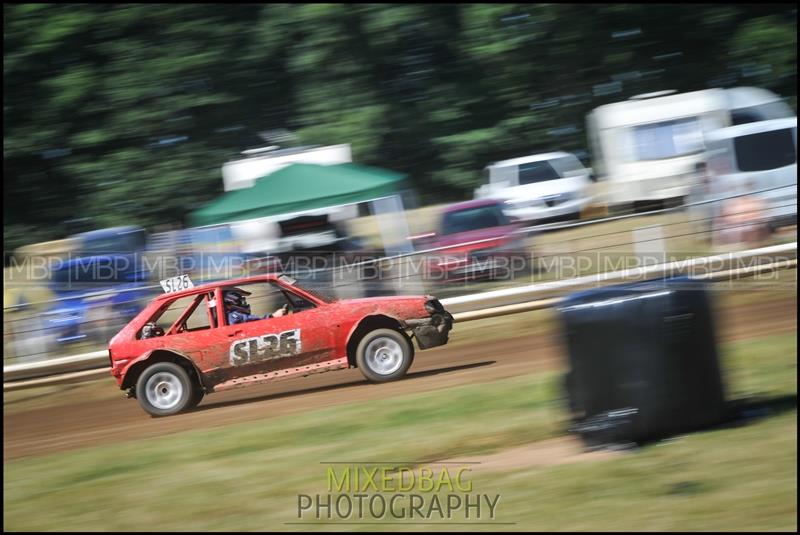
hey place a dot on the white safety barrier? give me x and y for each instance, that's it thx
(526, 293)
(480, 305)
(55, 366)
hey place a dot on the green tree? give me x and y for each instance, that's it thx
(124, 114)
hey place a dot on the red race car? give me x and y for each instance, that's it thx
(197, 340)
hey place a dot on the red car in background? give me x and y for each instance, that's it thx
(477, 240)
(181, 346)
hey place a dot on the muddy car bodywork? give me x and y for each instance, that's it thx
(321, 337)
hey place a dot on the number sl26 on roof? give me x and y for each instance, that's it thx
(176, 284)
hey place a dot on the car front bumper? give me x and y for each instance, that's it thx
(541, 212)
(432, 331)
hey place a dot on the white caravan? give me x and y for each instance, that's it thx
(647, 148)
(539, 187)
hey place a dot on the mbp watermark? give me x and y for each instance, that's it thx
(398, 493)
(74, 271)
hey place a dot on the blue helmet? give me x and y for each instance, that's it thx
(235, 301)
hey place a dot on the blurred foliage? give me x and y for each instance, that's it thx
(124, 114)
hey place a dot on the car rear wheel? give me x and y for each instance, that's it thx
(165, 389)
(384, 355)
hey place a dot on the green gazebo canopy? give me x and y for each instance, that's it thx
(299, 187)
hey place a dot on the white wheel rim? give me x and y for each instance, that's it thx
(164, 390)
(384, 355)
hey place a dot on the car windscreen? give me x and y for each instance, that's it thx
(568, 166)
(766, 150)
(473, 219)
(760, 112)
(667, 139)
(314, 279)
(532, 172)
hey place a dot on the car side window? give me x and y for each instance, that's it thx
(164, 319)
(198, 318)
(267, 299)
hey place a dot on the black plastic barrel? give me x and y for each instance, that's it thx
(643, 361)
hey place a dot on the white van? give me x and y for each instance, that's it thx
(756, 156)
(647, 148)
(539, 187)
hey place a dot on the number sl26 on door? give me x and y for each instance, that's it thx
(205, 339)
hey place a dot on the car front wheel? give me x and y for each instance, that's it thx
(384, 355)
(164, 389)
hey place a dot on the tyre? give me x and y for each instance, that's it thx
(197, 397)
(384, 355)
(165, 389)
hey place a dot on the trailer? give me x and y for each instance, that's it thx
(647, 148)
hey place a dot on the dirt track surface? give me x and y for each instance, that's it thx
(78, 424)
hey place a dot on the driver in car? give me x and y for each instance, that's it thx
(238, 310)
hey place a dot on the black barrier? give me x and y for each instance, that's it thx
(644, 362)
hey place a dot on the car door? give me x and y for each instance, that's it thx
(272, 343)
(194, 331)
